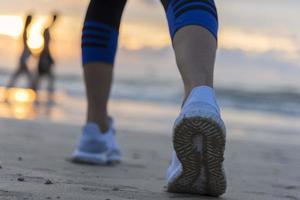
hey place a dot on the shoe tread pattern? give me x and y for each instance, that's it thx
(211, 158)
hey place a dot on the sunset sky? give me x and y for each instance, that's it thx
(245, 27)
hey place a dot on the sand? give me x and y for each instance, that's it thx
(34, 165)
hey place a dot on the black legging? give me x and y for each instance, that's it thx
(102, 22)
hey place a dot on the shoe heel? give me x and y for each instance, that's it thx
(199, 144)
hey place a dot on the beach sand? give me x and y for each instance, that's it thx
(34, 165)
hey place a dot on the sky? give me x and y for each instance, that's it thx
(257, 39)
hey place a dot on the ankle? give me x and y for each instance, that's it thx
(204, 94)
(188, 88)
(102, 122)
(104, 126)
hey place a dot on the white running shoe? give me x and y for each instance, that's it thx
(96, 147)
(199, 143)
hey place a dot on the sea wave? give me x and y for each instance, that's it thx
(283, 101)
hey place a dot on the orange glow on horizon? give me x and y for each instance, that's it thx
(232, 38)
(11, 25)
(136, 36)
(139, 35)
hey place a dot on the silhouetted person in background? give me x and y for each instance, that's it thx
(46, 63)
(23, 67)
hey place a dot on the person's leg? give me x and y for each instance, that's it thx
(195, 50)
(99, 45)
(36, 81)
(50, 88)
(98, 80)
(199, 132)
(16, 75)
(35, 86)
(193, 27)
(29, 76)
(13, 78)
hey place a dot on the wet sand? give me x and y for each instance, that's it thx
(34, 165)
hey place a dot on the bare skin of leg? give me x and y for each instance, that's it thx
(195, 50)
(98, 80)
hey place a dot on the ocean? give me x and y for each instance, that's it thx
(257, 67)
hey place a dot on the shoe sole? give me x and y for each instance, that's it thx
(114, 160)
(193, 133)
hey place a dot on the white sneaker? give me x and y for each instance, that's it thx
(96, 147)
(199, 144)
